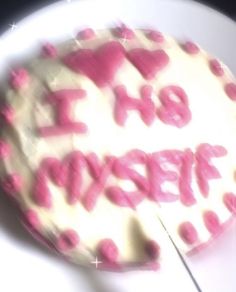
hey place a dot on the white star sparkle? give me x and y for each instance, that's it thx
(13, 26)
(96, 262)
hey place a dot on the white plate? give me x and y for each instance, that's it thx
(24, 265)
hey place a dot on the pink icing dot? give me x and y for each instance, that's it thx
(86, 34)
(49, 51)
(230, 202)
(188, 233)
(4, 149)
(67, 240)
(124, 32)
(216, 67)
(211, 221)
(7, 114)
(155, 36)
(19, 78)
(190, 48)
(12, 184)
(152, 249)
(108, 250)
(230, 89)
(32, 219)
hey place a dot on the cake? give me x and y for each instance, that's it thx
(113, 139)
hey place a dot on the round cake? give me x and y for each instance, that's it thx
(113, 139)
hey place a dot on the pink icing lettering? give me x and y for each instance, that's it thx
(122, 169)
(188, 233)
(149, 63)
(108, 250)
(19, 78)
(216, 67)
(62, 101)
(230, 202)
(101, 65)
(86, 34)
(155, 36)
(174, 112)
(7, 114)
(204, 169)
(152, 249)
(145, 106)
(158, 174)
(12, 184)
(100, 174)
(230, 89)
(67, 240)
(49, 51)
(212, 222)
(191, 48)
(124, 32)
(4, 149)
(66, 174)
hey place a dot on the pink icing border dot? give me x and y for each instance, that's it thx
(49, 50)
(4, 149)
(216, 67)
(190, 48)
(7, 114)
(124, 32)
(230, 202)
(67, 240)
(188, 233)
(12, 184)
(230, 89)
(86, 34)
(152, 249)
(211, 221)
(155, 36)
(108, 250)
(32, 219)
(19, 78)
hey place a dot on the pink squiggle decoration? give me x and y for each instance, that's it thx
(100, 174)
(149, 63)
(62, 101)
(230, 90)
(122, 169)
(204, 169)
(155, 36)
(67, 240)
(172, 112)
(124, 103)
(191, 48)
(230, 202)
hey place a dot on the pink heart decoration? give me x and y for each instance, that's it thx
(100, 65)
(149, 63)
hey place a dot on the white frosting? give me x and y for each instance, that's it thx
(213, 121)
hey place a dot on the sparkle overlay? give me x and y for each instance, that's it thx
(96, 262)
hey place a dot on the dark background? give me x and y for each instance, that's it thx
(11, 10)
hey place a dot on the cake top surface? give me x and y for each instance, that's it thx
(109, 137)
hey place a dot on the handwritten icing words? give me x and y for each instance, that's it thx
(174, 109)
(173, 166)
